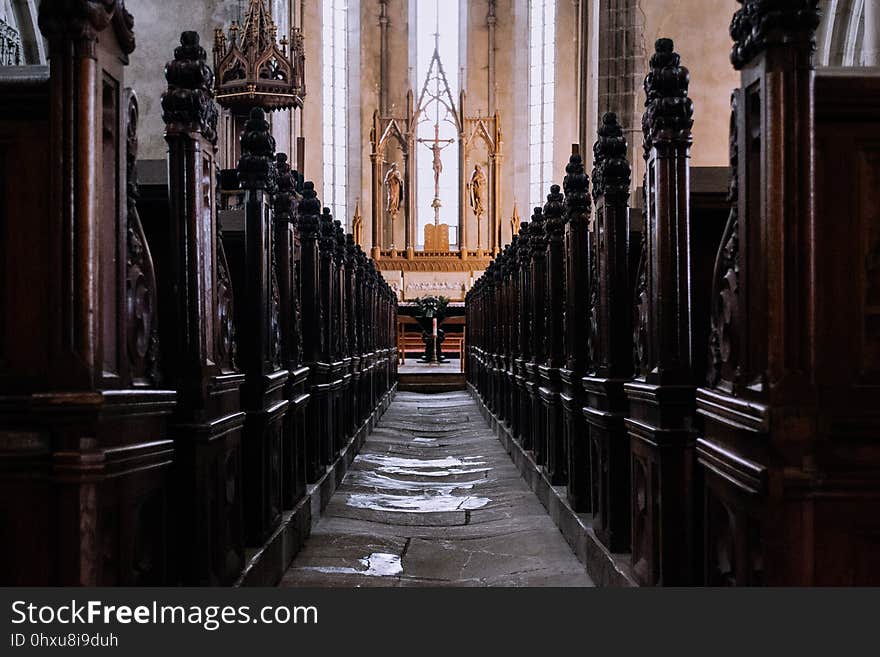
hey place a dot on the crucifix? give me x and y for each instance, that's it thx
(437, 149)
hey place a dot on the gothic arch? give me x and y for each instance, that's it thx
(841, 35)
(20, 19)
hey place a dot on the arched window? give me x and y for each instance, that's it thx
(335, 76)
(437, 68)
(542, 91)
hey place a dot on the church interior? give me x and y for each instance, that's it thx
(343, 293)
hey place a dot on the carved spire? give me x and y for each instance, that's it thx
(357, 223)
(188, 104)
(611, 170)
(515, 221)
(669, 113)
(256, 169)
(577, 191)
(762, 24)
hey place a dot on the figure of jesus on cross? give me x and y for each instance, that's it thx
(437, 149)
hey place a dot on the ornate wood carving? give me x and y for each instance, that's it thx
(254, 69)
(610, 339)
(142, 303)
(259, 318)
(579, 285)
(724, 341)
(661, 402)
(762, 24)
(611, 317)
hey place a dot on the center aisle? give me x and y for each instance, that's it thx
(434, 500)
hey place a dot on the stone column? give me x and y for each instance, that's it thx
(871, 44)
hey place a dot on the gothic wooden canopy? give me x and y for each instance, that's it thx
(254, 69)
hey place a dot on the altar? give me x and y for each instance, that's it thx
(435, 207)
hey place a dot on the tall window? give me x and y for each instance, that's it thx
(335, 47)
(437, 59)
(542, 88)
(11, 51)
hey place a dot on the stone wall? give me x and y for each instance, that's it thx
(700, 31)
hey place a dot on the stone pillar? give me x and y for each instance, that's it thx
(871, 43)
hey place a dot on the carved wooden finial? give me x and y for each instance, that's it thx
(577, 190)
(339, 237)
(669, 113)
(524, 243)
(762, 24)
(554, 213)
(611, 170)
(286, 189)
(537, 232)
(80, 21)
(188, 103)
(309, 211)
(256, 169)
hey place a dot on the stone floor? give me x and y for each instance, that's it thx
(451, 366)
(434, 500)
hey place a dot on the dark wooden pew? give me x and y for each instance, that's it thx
(87, 464)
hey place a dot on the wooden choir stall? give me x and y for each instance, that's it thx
(176, 395)
(697, 422)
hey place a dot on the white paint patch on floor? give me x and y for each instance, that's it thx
(425, 467)
(378, 564)
(439, 503)
(371, 479)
